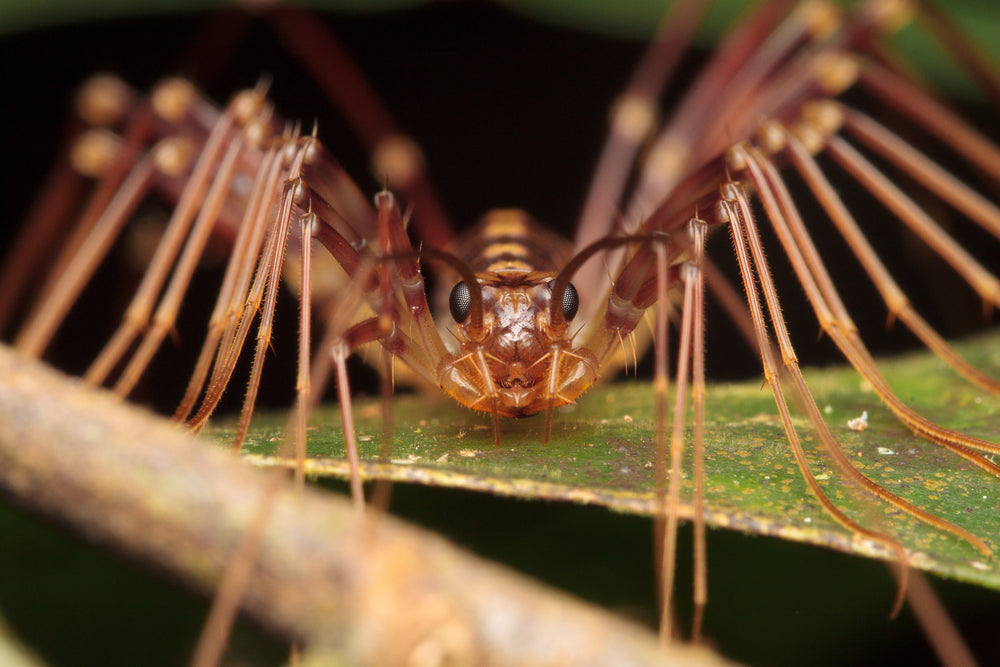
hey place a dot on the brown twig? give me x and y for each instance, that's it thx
(373, 591)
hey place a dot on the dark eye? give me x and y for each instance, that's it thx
(570, 300)
(460, 302)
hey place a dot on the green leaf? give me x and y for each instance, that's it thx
(603, 452)
(628, 19)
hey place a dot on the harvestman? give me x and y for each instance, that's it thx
(516, 345)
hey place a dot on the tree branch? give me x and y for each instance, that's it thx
(371, 589)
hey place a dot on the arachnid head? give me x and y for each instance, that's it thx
(513, 358)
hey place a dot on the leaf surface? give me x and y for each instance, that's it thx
(603, 452)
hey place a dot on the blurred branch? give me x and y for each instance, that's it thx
(12, 653)
(371, 589)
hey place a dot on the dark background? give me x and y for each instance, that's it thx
(509, 113)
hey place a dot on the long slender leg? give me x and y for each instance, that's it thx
(789, 225)
(665, 489)
(225, 603)
(369, 331)
(332, 349)
(163, 319)
(217, 629)
(395, 269)
(690, 275)
(294, 193)
(669, 157)
(695, 275)
(37, 333)
(971, 59)
(899, 306)
(779, 218)
(122, 186)
(911, 101)
(340, 354)
(396, 341)
(736, 209)
(49, 215)
(395, 156)
(137, 315)
(303, 386)
(632, 119)
(231, 299)
(936, 623)
(102, 103)
(729, 299)
(981, 280)
(264, 199)
(273, 252)
(775, 68)
(930, 175)
(339, 341)
(73, 265)
(387, 312)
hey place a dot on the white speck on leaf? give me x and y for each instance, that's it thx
(858, 423)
